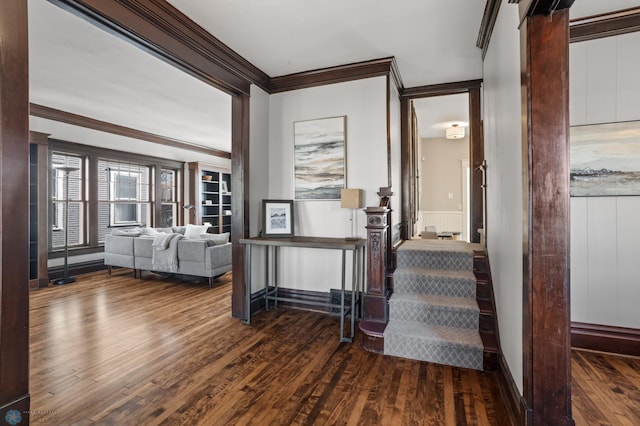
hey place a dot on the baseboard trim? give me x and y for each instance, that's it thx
(605, 338)
(258, 302)
(513, 401)
(56, 272)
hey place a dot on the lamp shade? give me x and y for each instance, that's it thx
(351, 198)
(455, 132)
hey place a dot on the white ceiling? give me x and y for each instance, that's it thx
(432, 41)
(81, 69)
(437, 113)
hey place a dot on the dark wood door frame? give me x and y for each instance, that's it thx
(152, 27)
(476, 150)
(14, 217)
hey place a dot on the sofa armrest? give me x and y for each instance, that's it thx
(218, 256)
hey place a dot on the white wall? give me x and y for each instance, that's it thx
(364, 104)
(258, 175)
(503, 152)
(441, 173)
(605, 231)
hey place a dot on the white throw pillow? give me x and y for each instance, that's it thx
(192, 231)
(218, 239)
(148, 231)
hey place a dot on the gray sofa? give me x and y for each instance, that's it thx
(195, 257)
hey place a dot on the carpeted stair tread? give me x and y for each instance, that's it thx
(443, 345)
(461, 303)
(438, 245)
(435, 281)
(432, 259)
(461, 312)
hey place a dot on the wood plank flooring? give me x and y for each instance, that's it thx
(116, 350)
(605, 389)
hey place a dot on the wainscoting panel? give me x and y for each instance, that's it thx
(604, 247)
(443, 220)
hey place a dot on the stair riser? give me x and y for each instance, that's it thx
(418, 284)
(487, 323)
(427, 350)
(435, 260)
(434, 315)
(483, 291)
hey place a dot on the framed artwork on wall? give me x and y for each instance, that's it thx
(277, 219)
(320, 158)
(605, 159)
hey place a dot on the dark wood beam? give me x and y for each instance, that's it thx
(440, 89)
(540, 7)
(165, 32)
(605, 25)
(239, 199)
(103, 126)
(338, 74)
(545, 154)
(14, 217)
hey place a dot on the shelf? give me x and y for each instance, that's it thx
(216, 191)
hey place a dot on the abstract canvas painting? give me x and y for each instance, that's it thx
(605, 159)
(319, 158)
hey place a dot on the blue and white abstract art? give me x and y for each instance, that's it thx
(319, 158)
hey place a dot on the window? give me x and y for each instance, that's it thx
(108, 189)
(124, 187)
(168, 200)
(71, 201)
(123, 195)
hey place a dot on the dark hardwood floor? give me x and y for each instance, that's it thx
(116, 350)
(605, 389)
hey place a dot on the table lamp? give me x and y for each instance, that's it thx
(351, 198)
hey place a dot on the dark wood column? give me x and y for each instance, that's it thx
(476, 154)
(14, 217)
(41, 140)
(239, 197)
(545, 152)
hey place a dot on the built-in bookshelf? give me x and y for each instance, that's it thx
(211, 195)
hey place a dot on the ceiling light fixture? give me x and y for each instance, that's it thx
(455, 132)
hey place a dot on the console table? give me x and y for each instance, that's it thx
(357, 247)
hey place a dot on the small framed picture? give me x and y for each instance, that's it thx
(223, 187)
(277, 218)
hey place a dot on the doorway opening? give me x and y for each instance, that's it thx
(442, 168)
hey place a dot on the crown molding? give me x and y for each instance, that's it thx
(604, 25)
(103, 126)
(440, 89)
(489, 18)
(337, 74)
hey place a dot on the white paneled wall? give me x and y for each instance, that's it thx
(605, 231)
(605, 251)
(444, 221)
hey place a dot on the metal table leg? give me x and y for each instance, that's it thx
(247, 284)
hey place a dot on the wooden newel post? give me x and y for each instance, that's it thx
(376, 311)
(375, 302)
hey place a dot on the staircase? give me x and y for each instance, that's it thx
(434, 313)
